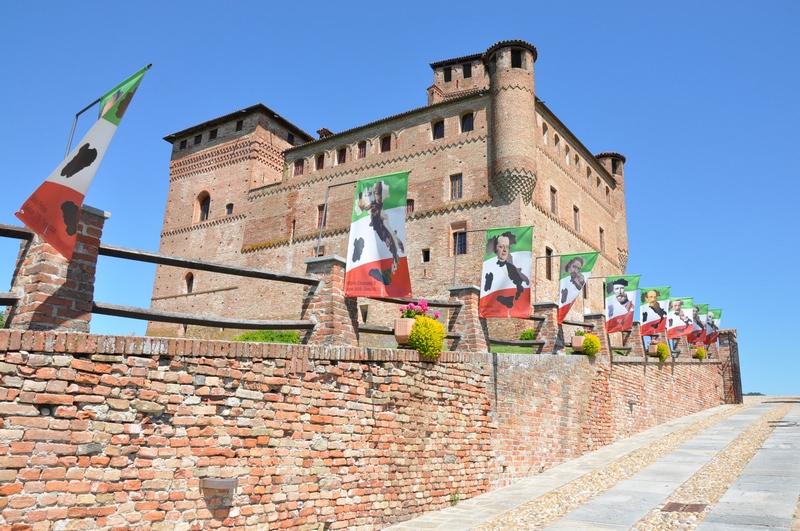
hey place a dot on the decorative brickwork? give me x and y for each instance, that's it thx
(474, 331)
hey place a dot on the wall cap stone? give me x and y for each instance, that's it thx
(324, 259)
(95, 211)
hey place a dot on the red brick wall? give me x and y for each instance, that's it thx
(104, 432)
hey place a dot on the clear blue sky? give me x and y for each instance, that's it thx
(702, 98)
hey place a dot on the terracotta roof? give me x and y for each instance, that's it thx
(503, 44)
(259, 107)
(457, 60)
(612, 154)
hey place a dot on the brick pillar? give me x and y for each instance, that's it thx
(56, 294)
(548, 330)
(634, 340)
(473, 330)
(729, 357)
(599, 322)
(335, 316)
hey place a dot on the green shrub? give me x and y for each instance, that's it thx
(591, 344)
(270, 336)
(580, 332)
(663, 352)
(427, 337)
(528, 335)
(700, 353)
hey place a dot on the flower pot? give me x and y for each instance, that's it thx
(652, 350)
(402, 329)
(577, 343)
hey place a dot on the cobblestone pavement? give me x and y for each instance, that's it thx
(731, 468)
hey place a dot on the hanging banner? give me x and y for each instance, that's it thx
(574, 272)
(699, 319)
(653, 310)
(505, 280)
(376, 252)
(621, 302)
(712, 326)
(679, 317)
(53, 210)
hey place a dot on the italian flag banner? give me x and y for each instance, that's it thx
(712, 326)
(574, 272)
(53, 210)
(679, 320)
(505, 280)
(699, 319)
(376, 253)
(621, 302)
(653, 310)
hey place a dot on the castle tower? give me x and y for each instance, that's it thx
(513, 119)
(614, 163)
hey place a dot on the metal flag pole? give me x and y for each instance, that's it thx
(75, 122)
(325, 211)
(455, 249)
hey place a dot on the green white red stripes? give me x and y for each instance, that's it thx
(505, 279)
(621, 302)
(575, 270)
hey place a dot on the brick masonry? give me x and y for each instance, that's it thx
(118, 432)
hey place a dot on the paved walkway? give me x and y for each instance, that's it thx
(765, 496)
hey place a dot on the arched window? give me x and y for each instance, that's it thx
(189, 282)
(341, 156)
(545, 134)
(608, 195)
(438, 129)
(298, 167)
(556, 141)
(589, 177)
(386, 144)
(203, 207)
(362, 149)
(566, 155)
(320, 161)
(467, 122)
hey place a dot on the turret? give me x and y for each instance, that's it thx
(513, 119)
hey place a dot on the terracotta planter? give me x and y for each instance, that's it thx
(402, 329)
(577, 343)
(652, 350)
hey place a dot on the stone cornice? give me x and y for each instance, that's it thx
(204, 225)
(226, 155)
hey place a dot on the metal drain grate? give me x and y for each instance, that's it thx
(674, 507)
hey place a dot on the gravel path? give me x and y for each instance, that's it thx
(549, 508)
(709, 484)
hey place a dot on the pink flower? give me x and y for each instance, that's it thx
(437, 314)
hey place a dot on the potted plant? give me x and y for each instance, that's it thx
(652, 348)
(427, 337)
(658, 350)
(577, 340)
(590, 345)
(408, 314)
(698, 352)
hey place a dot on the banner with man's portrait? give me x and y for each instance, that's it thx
(679, 317)
(699, 319)
(712, 326)
(621, 302)
(505, 280)
(653, 310)
(376, 252)
(574, 272)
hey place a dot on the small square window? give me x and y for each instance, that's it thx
(438, 129)
(409, 207)
(467, 70)
(362, 150)
(183, 144)
(460, 242)
(448, 74)
(467, 122)
(456, 186)
(198, 139)
(320, 161)
(290, 138)
(341, 156)
(298, 167)
(386, 144)
(426, 255)
(239, 125)
(212, 134)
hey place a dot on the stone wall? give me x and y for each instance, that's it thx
(115, 432)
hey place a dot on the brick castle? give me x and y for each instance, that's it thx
(248, 188)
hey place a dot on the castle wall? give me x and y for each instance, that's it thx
(102, 432)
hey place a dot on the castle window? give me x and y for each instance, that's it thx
(589, 178)
(456, 186)
(586, 290)
(598, 185)
(203, 206)
(229, 209)
(548, 263)
(386, 144)
(409, 207)
(577, 161)
(467, 122)
(364, 308)
(320, 161)
(212, 134)
(239, 125)
(322, 218)
(183, 144)
(438, 129)
(576, 218)
(426, 255)
(566, 155)
(467, 70)
(460, 242)
(553, 201)
(298, 167)
(189, 278)
(545, 134)
(608, 195)
(341, 156)
(516, 58)
(198, 139)
(318, 252)
(557, 142)
(602, 239)
(362, 150)
(614, 166)
(448, 74)
(290, 138)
